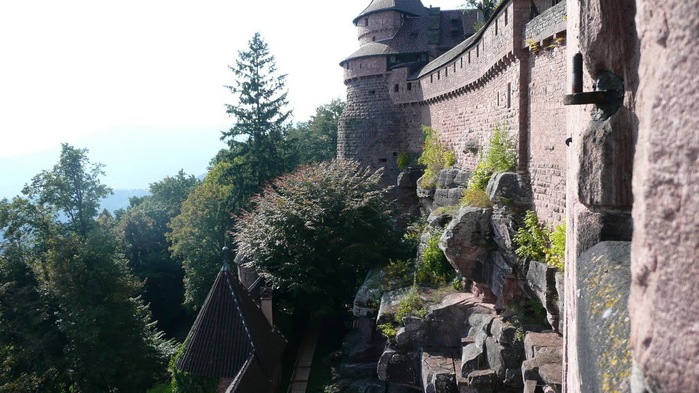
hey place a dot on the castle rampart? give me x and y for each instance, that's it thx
(490, 79)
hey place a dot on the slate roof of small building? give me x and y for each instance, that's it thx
(410, 7)
(231, 337)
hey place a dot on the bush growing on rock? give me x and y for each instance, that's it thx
(534, 241)
(435, 157)
(500, 157)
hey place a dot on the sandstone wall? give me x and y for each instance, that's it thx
(547, 124)
(665, 250)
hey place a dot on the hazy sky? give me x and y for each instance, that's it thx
(129, 77)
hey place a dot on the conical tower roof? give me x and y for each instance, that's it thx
(410, 7)
(231, 336)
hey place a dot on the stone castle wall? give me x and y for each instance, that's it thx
(482, 83)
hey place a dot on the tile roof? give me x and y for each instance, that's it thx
(410, 7)
(231, 337)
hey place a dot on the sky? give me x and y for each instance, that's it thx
(140, 82)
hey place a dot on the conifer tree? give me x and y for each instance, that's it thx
(260, 119)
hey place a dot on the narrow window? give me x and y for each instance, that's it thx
(469, 57)
(366, 21)
(505, 16)
(478, 50)
(396, 88)
(431, 78)
(509, 95)
(410, 86)
(497, 100)
(439, 75)
(454, 66)
(446, 72)
(373, 38)
(462, 62)
(496, 27)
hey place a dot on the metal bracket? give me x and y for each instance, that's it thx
(608, 95)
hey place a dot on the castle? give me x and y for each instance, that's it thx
(618, 165)
(418, 66)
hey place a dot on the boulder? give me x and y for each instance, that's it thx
(472, 359)
(444, 324)
(503, 187)
(438, 372)
(409, 178)
(465, 242)
(447, 196)
(503, 332)
(389, 304)
(545, 368)
(541, 283)
(368, 297)
(400, 367)
(483, 381)
(534, 342)
(452, 178)
(501, 357)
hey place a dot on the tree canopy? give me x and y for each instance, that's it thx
(317, 231)
(82, 326)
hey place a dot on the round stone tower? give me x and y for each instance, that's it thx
(372, 125)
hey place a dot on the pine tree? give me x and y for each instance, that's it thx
(260, 119)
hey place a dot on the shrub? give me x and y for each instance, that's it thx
(536, 242)
(388, 330)
(556, 254)
(500, 157)
(398, 274)
(532, 238)
(403, 160)
(433, 267)
(476, 197)
(435, 157)
(411, 305)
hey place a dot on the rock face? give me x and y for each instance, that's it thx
(666, 196)
(503, 187)
(465, 244)
(541, 283)
(603, 327)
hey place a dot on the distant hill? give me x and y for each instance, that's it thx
(120, 199)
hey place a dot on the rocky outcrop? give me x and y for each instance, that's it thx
(465, 242)
(540, 284)
(543, 364)
(450, 186)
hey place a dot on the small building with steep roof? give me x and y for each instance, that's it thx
(232, 340)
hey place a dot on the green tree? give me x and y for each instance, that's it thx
(260, 119)
(72, 187)
(318, 230)
(198, 235)
(82, 298)
(141, 231)
(316, 140)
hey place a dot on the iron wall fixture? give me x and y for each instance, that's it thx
(608, 94)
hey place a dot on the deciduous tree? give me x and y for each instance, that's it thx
(318, 230)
